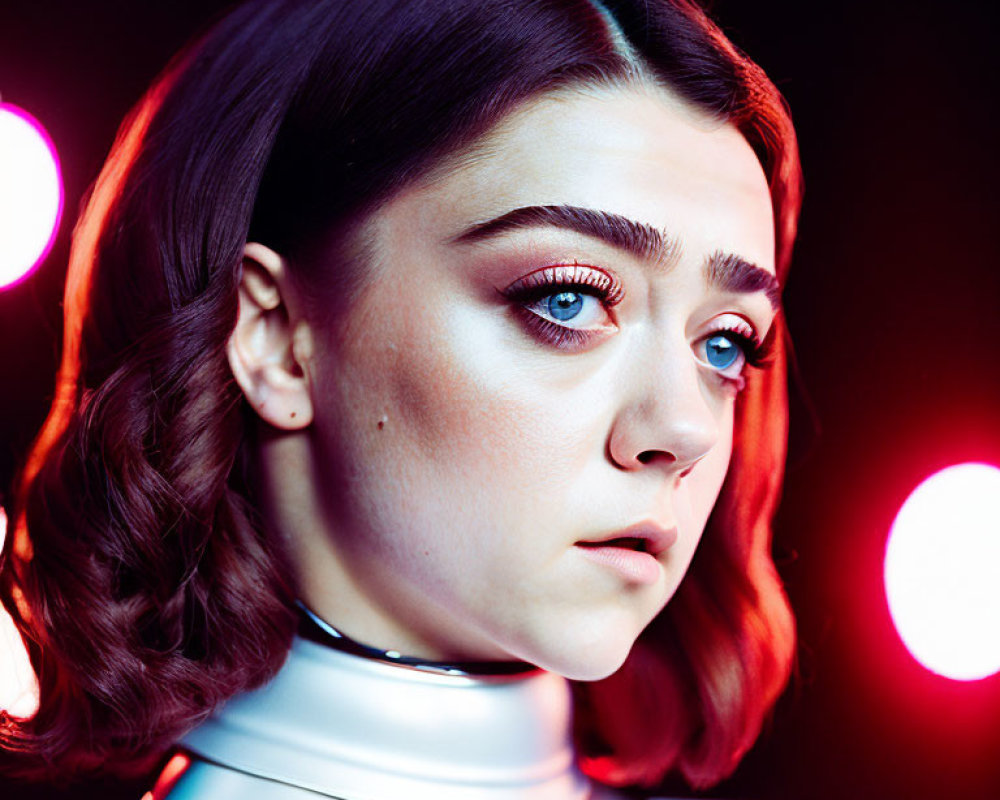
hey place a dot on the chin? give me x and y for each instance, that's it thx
(592, 661)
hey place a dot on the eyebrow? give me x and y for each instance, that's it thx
(726, 272)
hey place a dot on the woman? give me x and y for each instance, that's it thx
(411, 349)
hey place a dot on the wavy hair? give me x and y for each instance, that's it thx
(140, 575)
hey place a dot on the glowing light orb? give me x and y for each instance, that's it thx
(31, 194)
(18, 684)
(942, 572)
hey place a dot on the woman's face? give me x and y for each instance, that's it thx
(504, 392)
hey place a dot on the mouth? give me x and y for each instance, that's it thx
(632, 553)
(625, 557)
(644, 537)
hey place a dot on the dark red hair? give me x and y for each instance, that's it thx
(139, 573)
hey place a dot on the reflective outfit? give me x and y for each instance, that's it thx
(337, 724)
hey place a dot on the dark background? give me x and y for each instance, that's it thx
(893, 301)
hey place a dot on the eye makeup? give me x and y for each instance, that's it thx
(599, 282)
(752, 353)
(756, 352)
(563, 280)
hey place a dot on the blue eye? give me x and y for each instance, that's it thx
(721, 351)
(565, 305)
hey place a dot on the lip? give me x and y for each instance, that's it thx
(658, 538)
(634, 566)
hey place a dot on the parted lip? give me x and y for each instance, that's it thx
(653, 537)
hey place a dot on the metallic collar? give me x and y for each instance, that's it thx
(349, 726)
(317, 629)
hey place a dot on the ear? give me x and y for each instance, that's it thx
(269, 349)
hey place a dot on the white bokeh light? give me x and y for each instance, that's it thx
(18, 684)
(942, 572)
(31, 195)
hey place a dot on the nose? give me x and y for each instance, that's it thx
(668, 415)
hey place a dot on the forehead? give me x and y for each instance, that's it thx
(639, 152)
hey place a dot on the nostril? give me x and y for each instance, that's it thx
(648, 455)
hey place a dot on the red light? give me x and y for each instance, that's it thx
(31, 194)
(942, 572)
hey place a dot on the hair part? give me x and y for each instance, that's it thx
(139, 573)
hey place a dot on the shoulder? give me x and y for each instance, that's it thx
(189, 778)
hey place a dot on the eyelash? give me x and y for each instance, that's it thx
(609, 291)
(553, 280)
(757, 354)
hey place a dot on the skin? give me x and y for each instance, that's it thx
(432, 463)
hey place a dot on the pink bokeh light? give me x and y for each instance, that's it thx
(31, 194)
(942, 572)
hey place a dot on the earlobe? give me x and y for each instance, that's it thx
(269, 348)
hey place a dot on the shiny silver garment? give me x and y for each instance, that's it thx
(335, 724)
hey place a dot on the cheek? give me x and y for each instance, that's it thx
(471, 442)
(701, 488)
(458, 410)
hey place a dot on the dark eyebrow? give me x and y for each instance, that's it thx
(730, 273)
(637, 238)
(726, 272)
